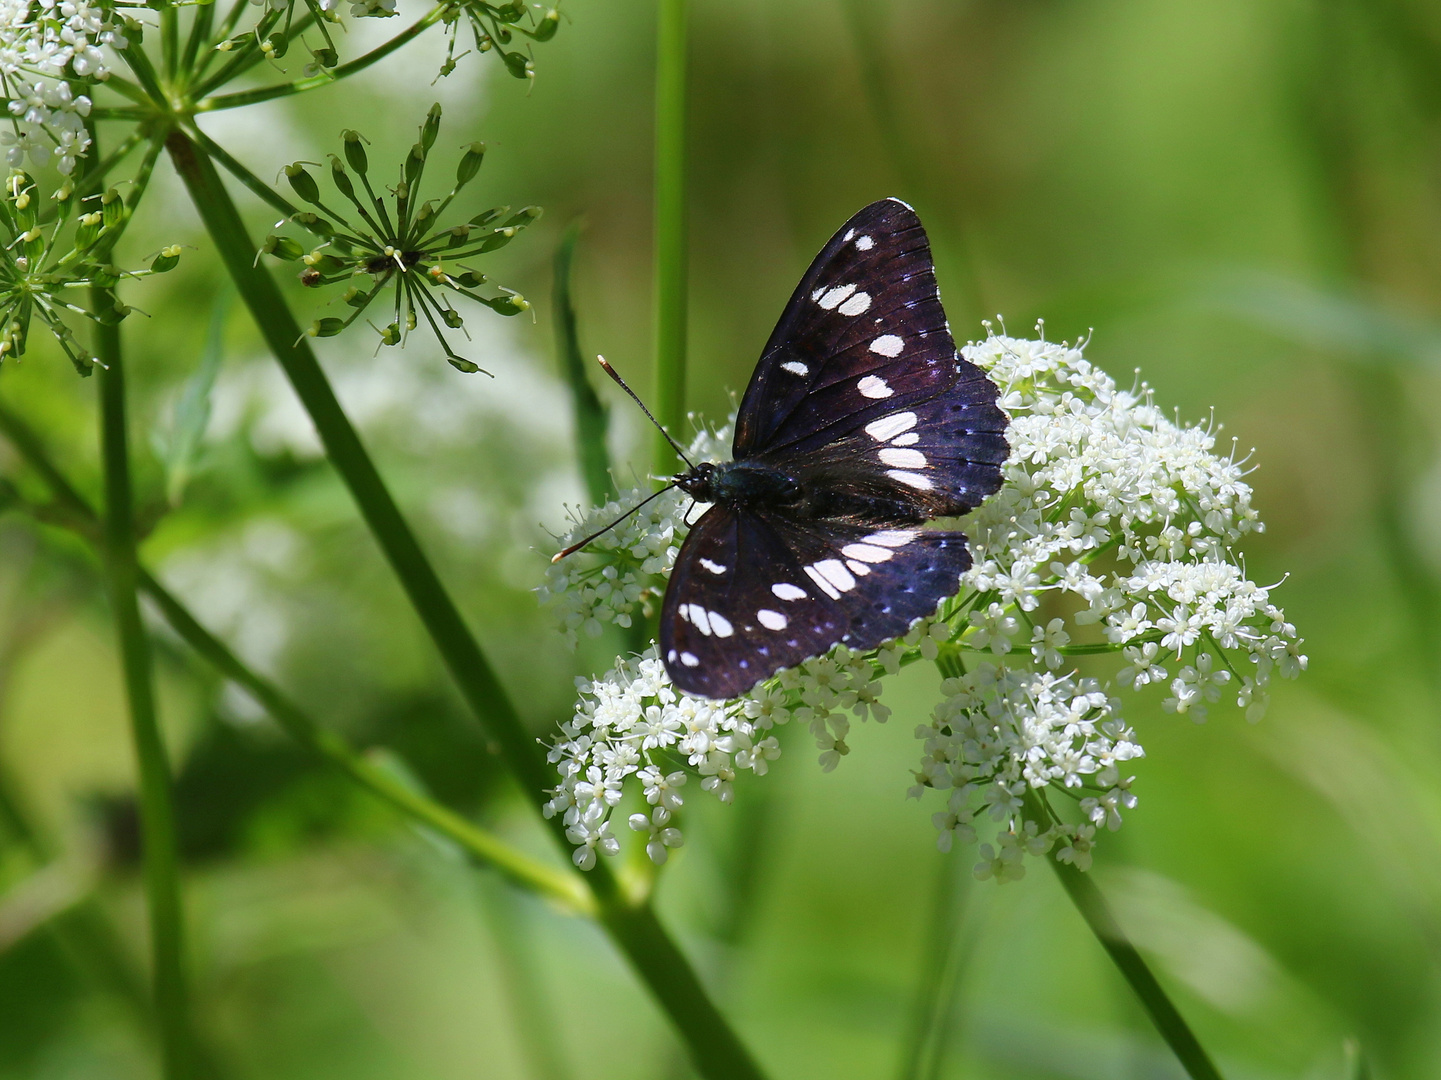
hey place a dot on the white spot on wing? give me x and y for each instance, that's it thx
(689, 659)
(891, 538)
(849, 233)
(860, 568)
(887, 345)
(772, 620)
(786, 591)
(697, 617)
(720, 625)
(825, 586)
(835, 296)
(873, 386)
(888, 427)
(910, 438)
(864, 243)
(903, 458)
(672, 656)
(795, 367)
(914, 479)
(856, 305)
(866, 552)
(834, 571)
(713, 567)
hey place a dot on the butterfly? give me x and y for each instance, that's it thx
(861, 423)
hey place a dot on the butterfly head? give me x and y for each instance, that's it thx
(696, 481)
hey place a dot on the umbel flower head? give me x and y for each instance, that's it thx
(48, 51)
(45, 261)
(402, 246)
(1116, 531)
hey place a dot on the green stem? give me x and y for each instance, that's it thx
(591, 419)
(1092, 905)
(719, 1054)
(670, 229)
(715, 1051)
(157, 816)
(325, 78)
(238, 65)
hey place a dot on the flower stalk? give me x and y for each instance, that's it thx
(157, 815)
(1087, 898)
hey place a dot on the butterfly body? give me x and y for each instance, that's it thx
(861, 424)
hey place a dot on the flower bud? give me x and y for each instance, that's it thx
(112, 206)
(327, 327)
(302, 182)
(458, 236)
(469, 163)
(509, 305)
(499, 238)
(460, 363)
(313, 223)
(111, 311)
(390, 335)
(325, 56)
(356, 297)
(512, 12)
(519, 65)
(88, 229)
(355, 151)
(452, 318)
(414, 162)
(275, 46)
(548, 25)
(167, 260)
(341, 179)
(469, 279)
(285, 248)
(431, 127)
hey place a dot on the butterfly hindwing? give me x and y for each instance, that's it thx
(738, 606)
(752, 593)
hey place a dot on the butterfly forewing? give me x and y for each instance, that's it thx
(864, 330)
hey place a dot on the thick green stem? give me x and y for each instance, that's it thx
(670, 229)
(715, 1051)
(718, 1053)
(157, 815)
(1097, 913)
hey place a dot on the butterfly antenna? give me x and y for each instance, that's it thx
(636, 398)
(601, 532)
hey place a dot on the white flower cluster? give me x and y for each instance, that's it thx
(1001, 732)
(43, 45)
(1097, 473)
(1114, 532)
(622, 571)
(634, 722)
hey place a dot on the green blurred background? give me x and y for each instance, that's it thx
(1240, 198)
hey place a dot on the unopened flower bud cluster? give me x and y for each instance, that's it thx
(1120, 521)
